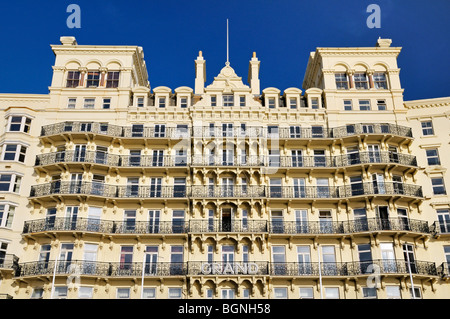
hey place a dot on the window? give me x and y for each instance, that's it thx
(89, 103)
(245, 293)
(433, 157)
(162, 102)
(209, 293)
(112, 80)
(360, 81)
(364, 105)
(438, 186)
(60, 292)
(331, 293)
(242, 100)
(14, 152)
(213, 100)
(10, 183)
(306, 293)
(227, 293)
(427, 128)
(174, 293)
(228, 100)
(137, 130)
(317, 131)
(417, 293)
(341, 81)
(381, 104)
(123, 293)
(314, 103)
(38, 293)
(280, 293)
(369, 293)
(6, 215)
(73, 79)
(183, 102)
(160, 130)
(348, 105)
(140, 102)
(271, 102)
(295, 131)
(71, 102)
(93, 79)
(393, 292)
(380, 81)
(85, 292)
(19, 124)
(149, 293)
(107, 103)
(293, 103)
(444, 220)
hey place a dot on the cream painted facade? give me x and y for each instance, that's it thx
(223, 190)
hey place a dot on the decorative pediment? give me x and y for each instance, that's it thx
(227, 81)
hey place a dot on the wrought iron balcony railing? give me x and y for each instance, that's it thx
(8, 261)
(293, 132)
(233, 226)
(440, 228)
(360, 189)
(444, 270)
(102, 269)
(105, 190)
(102, 158)
(238, 191)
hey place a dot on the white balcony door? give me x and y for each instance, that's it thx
(151, 260)
(388, 257)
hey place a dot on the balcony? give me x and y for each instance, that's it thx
(101, 269)
(8, 262)
(111, 191)
(90, 157)
(237, 191)
(296, 132)
(110, 130)
(231, 226)
(444, 270)
(242, 161)
(349, 227)
(334, 192)
(440, 228)
(391, 266)
(103, 226)
(253, 268)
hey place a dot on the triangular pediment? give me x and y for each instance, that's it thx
(227, 81)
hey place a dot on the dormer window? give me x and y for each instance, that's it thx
(293, 103)
(73, 79)
(140, 102)
(162, 102)
(271, 102)
(183, 102)
(314, 103)
(228, 100)
(93, 79)
(361, 81)
(213, 100)
(112, 80)
(242, 100)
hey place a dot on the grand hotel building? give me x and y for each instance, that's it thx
(112, 189)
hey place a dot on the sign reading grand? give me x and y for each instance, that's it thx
(229, 269)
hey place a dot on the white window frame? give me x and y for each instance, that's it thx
(89, 295)
(17, 152)
(149, 289)
(89, 103)
(71, 102)
(6, 220)
(14, 183)
(24, 127)
(171, 289)
(122, 288)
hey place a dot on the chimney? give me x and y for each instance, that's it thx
(253, 75)
(68, 40)
(200, 74)
(383, 43)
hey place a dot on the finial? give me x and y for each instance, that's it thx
(200, 53)
(254, 54)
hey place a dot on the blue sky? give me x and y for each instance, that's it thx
(282, 33)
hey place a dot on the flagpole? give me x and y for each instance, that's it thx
(320, 272)
(410, 274)
(228, 45)
(54, 274)
(143, 273)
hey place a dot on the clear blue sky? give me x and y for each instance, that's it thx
(282, 33)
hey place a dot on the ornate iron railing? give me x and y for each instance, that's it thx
(237, 191)
(235, 225)
(8, 261)
(444, 270)
(103, 269)
(294, 132)
(440, 228)
(206, 160)
(105, 190)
